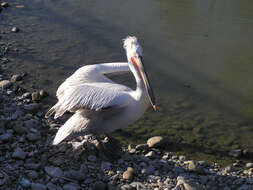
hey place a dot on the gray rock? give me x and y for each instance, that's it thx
(25, 183)
(4, 84)
(4, 4)
(15, 29)
(35, 96)
(138, 185)
(19, 129)
(141, 147)
(235, 153)
(43, 93)
(71, 186)
(15, 78)
(75, 175)
(249, 165)
(99, 185)
(149, 170)
(106, 166)
(51, 186)
(38, 186)
(32, 174)
(128, 175)
(126, 187)
(156, 141)
(32, 137)
(92, 158)
(150, 154)
(54, 171)
(19, 154)
(6, 137)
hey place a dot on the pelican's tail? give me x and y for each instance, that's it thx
(73, 127)
(57, 109)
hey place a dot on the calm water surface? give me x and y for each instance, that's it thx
(198, 55)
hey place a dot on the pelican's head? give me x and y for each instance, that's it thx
(134, 56)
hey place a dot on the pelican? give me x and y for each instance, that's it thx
(100, 105)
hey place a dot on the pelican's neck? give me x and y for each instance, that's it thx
(140, 92)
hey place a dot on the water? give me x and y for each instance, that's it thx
(198, 55)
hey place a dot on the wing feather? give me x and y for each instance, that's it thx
(89, 98)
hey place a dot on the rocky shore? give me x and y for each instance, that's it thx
(29, 161)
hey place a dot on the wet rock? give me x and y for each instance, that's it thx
(15, 29)
(4, 84)
(128, 174)
(6, 137)
(4, 4)
(249, 165)
(142, 147)
(19, 129)
(106, 166)
(31, 107)
(25, 183)
(38, 186)
(32, 137)
(43, 93)
(35, 96)
(19, 154)
(150, 154)
(75, 175)
(71, 186)
(138, 185)
(32, 175)
(156, 141)
(51, 186)
(54, 171)
(16, 77)
(235, 153)
(99, 185)
(92, 158)
(126, 187)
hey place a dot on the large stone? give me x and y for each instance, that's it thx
(38, 186)
(19, 154)
(54, 171)
(128, 175)
(4, 84)
(156, 141)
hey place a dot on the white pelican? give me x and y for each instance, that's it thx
(100, 105)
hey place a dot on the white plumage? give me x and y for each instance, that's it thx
(99, 104)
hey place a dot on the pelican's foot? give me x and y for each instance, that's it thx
(109, 148)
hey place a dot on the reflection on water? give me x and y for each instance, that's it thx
(198, 55)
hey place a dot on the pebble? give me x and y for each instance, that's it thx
(99, 185)
(92, 158)
(4, 4)
(235, 153)
(4, 84)
(71, 186)
(155, 142)
(16, 77)
(249, 165)
(43, 93)
(54, 171)
(15, 29)
(32, 137)
(128, 175)
(25, 183)
(38, 186)
(6, 137)
(74, 174)
(19, 154)
(32, 174)
(35, 96)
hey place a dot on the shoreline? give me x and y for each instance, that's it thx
(29, 161)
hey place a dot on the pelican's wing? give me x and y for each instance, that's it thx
(90, 74)
(89, 98)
